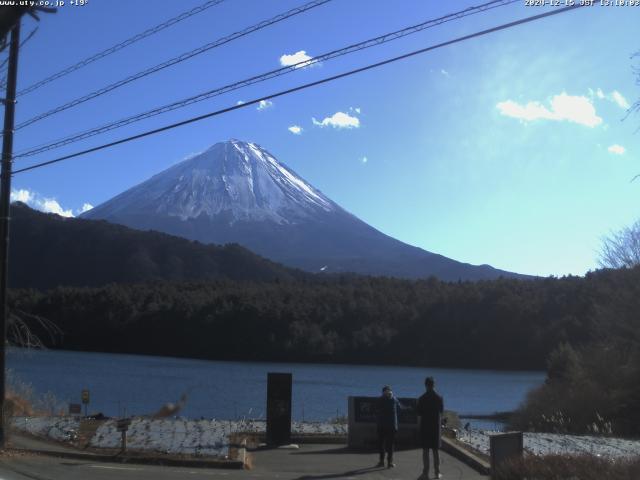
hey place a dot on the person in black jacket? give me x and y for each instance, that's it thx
(388, 406)
(429, 409)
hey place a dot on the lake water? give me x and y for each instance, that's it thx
(228, 390)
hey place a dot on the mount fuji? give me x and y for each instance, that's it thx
(237, 192)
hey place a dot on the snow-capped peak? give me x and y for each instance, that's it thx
(239, 179)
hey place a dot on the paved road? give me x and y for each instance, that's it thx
(308, 463)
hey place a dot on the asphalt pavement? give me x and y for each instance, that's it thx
(309, 462)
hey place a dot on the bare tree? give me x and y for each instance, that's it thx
(621, 249)
(636, 70)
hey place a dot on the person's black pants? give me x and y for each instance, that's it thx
(385, 443)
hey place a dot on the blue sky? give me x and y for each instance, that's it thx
(509, 149)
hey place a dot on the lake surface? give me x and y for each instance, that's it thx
(229, 390)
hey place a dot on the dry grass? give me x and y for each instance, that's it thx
(17, 406)
(569, 467)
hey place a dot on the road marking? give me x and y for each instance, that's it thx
(193, 472)
(114, 468)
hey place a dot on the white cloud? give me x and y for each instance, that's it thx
(85, 208)
(617, 98)
(444, 72)
(295, 129)
(44, 204)
(364, 159)
(600, 94)
(617, 149)
(50, 205)
(240, 102)
(300, 57)
(338, 120)
(22, 195)
(563, 107)
(264, 104)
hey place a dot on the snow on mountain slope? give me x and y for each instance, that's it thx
(237, 192)
(235, 177)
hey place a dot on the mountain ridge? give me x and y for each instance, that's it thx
(238, 192)
(47, 250)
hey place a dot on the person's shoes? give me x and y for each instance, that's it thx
(391, 465)
(380, 464)
(438, 475)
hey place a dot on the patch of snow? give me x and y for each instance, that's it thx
(174, 436)
(553, 443)
(62, 429)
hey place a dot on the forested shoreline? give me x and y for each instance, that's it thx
(498, 324)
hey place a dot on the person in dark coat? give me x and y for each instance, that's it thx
(388, 406)
(430, 408)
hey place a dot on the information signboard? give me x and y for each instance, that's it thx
(505, 446)
(363, 419)
(366, 410)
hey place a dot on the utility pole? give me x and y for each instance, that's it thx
(5, 207)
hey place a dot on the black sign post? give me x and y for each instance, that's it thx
(85, 400)
(279, 408)
(122, 425)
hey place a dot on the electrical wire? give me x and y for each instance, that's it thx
(262, 77)
(304, 86)
(174, 61)
(3, 65)
(121, 45)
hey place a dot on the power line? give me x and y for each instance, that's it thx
(175, 60)
(263, 77)
(121, 45)
(303, 87)
(3, 65)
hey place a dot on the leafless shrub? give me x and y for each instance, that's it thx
(568, 467)
(621, 249)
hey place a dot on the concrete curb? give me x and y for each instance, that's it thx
(465, 456)
(169, 462)
(242, 453)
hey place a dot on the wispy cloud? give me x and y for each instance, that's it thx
(300, 57)
(614, 96)
(563, 107)
(617, 149)
(295, 129)
(338, 120)
(444, 72)
(45, 204)
(240, 102)
(264, 104)
(618, 99)
(364, 159)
